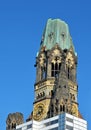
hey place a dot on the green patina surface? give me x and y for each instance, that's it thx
(56, 32)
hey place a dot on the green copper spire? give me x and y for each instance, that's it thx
(56, 32)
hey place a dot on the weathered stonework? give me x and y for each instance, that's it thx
(13, 120)
(56, 86)
(56, 63)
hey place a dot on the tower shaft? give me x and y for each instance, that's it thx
(56, 87)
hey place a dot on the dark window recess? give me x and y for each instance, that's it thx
(59, 66)
(61, 109)
(57, 101)
(40, 95)
(52, 66)
(68, 72)
(43, 93)
(52, 93)
(13, 125)
(51, 114)
(64, 86)
(52, 108)
(52, 70)
(29, 126)
(55, 68)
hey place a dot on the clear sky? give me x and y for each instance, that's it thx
(21, 26)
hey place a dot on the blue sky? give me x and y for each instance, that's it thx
(21, 27)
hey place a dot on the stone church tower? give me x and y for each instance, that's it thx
(56, 86)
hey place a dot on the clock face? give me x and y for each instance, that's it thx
(38, 111)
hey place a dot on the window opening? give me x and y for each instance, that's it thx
(52, 72)
(68, 72)
(59, 66)
(52, 93)
(61, 108)
(55, 68)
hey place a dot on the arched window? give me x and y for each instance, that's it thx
(55, 68)
(43, 93)
(61, 108)
(13, 125)
(52, 70)
(68, 72)
(52, 93)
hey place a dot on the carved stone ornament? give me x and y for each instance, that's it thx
(14, 118)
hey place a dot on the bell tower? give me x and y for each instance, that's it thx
(55, 105)
(56, 87)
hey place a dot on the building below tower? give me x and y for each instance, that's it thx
(63, 121)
